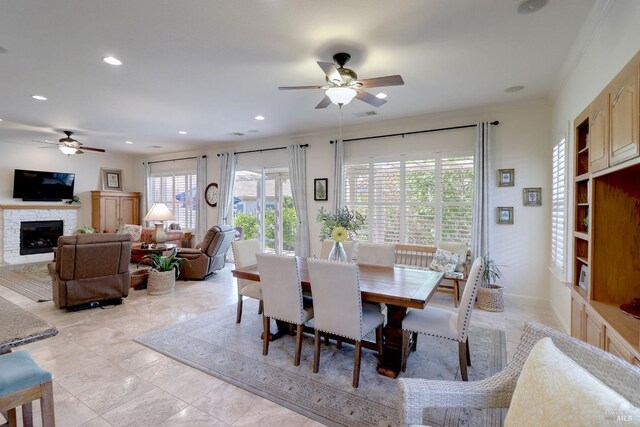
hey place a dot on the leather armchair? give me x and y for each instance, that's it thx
(209, 255)
(90, 268)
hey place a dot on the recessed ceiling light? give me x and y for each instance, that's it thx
(259, 117)
(112, 60)
(0, 120)
(530, 6)
(513, 89)
(381, 95)
(128, 142)
(39, 97)
(182, 132)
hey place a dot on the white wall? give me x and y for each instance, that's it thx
(85, 166)
(615, 41)
(520, 142)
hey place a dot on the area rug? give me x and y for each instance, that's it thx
(215, 344)
(31, 280)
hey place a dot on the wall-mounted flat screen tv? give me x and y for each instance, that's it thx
(42, 186)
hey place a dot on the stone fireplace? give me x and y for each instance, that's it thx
(37, 237)
(12, 232)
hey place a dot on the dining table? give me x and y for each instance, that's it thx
(19, 327)
(399, 288)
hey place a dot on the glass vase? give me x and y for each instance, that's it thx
(337, 253)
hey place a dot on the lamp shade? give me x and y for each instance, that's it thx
(159, 212)
(68, 150)
(341, 95)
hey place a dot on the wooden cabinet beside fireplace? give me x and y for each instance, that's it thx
(111, 209)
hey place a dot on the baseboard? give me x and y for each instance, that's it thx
(526, 300)
(565, 328)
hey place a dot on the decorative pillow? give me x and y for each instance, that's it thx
(553, 390)
(444, 261)
(459, 248)
(134, 230)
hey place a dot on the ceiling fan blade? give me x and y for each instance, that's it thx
(44, 141)
(48, 147)
(99, 150)
(331, 71)
(395, 80)
(326, 101)
(300, 87)
(79, 152)
(370, 99)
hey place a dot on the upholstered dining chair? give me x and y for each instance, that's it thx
(244, 255)
(282, 297)
(446, 324)
(338, 309)
(349, 246)
(378, 254)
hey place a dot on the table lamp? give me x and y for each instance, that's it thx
(159, 213)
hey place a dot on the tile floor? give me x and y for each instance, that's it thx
(103, 378)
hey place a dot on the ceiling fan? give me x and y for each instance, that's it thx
(343, 84)
(70, 146)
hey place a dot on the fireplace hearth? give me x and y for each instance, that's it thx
(37, 237)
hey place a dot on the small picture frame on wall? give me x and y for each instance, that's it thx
(111, 179)
(320, 189)
(506, 177)
(505, 215)
(532, 196)
(583, 279)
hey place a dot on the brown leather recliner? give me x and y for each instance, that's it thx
(90, 268)
(209, 255)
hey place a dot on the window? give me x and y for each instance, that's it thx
(178, 191)
(558, 207)
(418, 201)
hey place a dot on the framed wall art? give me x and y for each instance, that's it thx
(111, 179)
(506, 177)
(505, 215)
(320, 189)
(532, 196)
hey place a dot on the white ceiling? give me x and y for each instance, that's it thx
(209, 67)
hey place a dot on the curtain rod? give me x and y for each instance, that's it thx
(174, 160)
(265, 149)
(495, 123)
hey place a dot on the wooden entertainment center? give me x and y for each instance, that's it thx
(606, 231)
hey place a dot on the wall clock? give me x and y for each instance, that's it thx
(211, 194)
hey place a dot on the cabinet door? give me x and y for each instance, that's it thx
(129, 210)
(593, 328)
(109, 214)
(599, 133)
(623, 115)
(577, 315)
(614, 346)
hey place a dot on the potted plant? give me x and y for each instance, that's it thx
(339, 226)
(490, 295)
(164, 272)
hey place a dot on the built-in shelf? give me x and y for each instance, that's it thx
(583, 204)
(581, 235)
(583, 260)
(584, 150)
(583, 177)
(42, 206)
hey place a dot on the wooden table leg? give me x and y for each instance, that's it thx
(392, 358)
(283, 329)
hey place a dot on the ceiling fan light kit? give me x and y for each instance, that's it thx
(70, 146)
(69, 151)
(341, 95)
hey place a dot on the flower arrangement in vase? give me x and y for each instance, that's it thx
(340, 226)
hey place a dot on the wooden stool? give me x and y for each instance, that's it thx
(21, 382)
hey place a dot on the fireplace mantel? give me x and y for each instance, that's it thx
(41, 206)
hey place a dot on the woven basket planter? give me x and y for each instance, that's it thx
(138, 279)
(161, 282)
(491, 298)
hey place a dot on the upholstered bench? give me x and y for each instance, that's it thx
(21, 382)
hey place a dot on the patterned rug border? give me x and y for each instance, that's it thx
(25, 284)
(451, 417)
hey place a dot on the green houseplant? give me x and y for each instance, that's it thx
(165, 269)
(490, 295)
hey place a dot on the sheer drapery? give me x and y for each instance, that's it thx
(201, 208)
(338, 176)
(225, 190)
(146, 197)
(481, 199)
(298, 175)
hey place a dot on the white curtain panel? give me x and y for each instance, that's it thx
(481, 199)
(338, 176)
(298, 175)
(225, 189)
(201, 208)
(146, 197)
